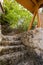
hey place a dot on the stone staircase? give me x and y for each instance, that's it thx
(11, 50)
(14, 52)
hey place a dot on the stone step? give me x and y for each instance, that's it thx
(13, 58)
(10, 38)
(10, 43)
(11, 49)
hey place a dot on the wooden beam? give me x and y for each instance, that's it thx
(27, 4)
(30, 26)
(40, 2)
(35, 2)
(39, 22)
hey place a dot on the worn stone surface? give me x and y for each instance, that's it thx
(11, 50)
(34, 41)
(22, 49)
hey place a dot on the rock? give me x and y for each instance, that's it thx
(34, 40)
(11, 59)
(22, 49)
(11, 49)
(5, 28)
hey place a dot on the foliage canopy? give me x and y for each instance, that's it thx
(16, 15)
